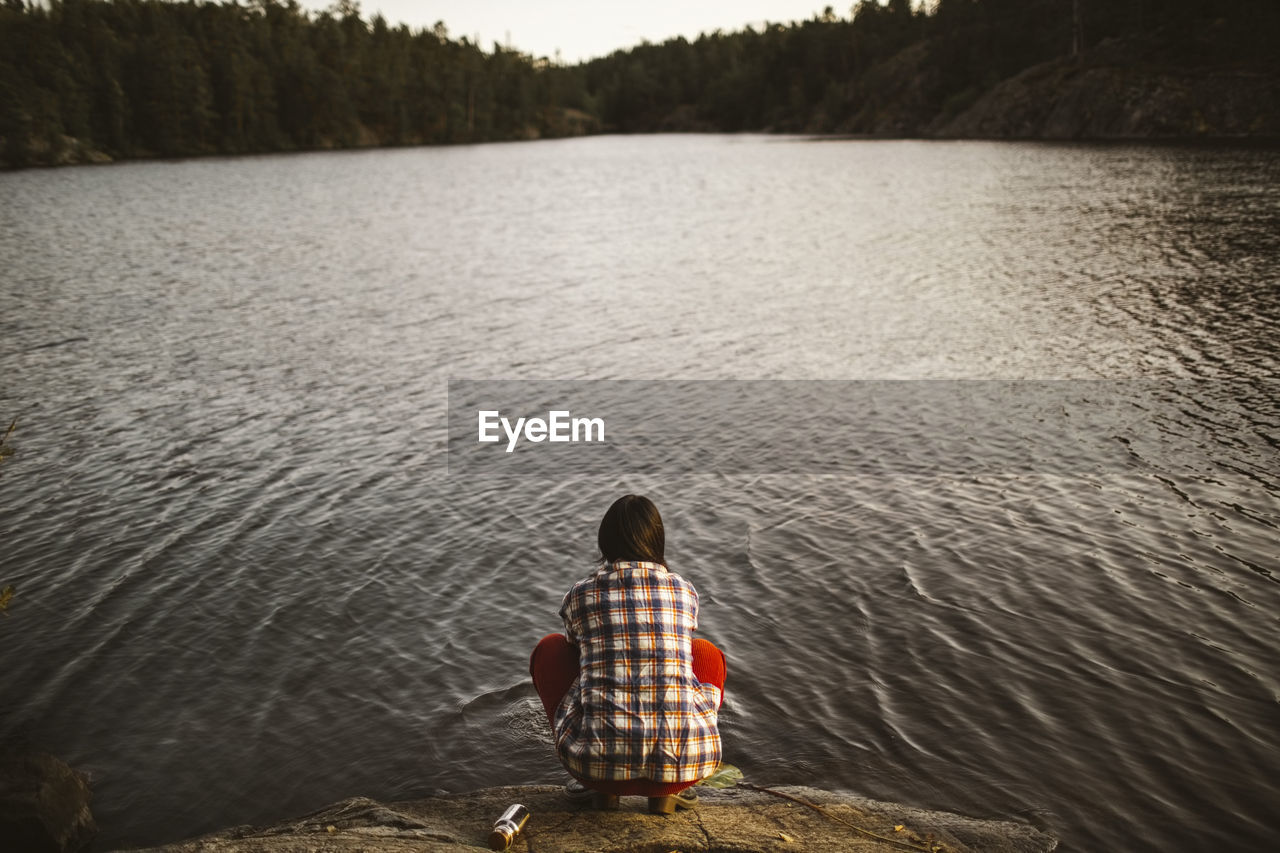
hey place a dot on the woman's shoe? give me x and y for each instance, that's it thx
(686, 799)
(577, 792)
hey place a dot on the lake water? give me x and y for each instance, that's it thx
(247, 583)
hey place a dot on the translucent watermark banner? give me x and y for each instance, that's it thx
(557, 429)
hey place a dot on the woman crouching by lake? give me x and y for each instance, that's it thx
(631, 695)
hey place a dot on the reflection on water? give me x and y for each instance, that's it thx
(246, 586)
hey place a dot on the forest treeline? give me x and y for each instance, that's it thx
(133, 78)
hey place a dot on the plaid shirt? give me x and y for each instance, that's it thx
(636, 710)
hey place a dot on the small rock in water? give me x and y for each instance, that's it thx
(44, 805)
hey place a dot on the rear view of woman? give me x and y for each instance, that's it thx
(632, 697)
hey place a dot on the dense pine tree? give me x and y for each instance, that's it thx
(149, 77)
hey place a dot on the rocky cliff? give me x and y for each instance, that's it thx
(1123, 89)
(1067, 99)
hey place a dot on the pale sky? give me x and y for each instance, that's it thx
(583, 29)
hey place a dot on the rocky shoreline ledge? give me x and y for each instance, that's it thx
(742, 819)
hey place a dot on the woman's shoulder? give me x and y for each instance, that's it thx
(628, 573)
(675, 579)
(595, 579)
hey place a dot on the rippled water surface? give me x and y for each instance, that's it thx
(246, 585)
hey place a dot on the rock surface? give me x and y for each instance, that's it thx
(733, 820)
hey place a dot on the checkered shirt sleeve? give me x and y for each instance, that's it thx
(636, 710)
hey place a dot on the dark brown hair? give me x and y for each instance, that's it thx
(632, 530)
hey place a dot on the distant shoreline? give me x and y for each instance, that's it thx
(77, 154)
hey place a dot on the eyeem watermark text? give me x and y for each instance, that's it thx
(558, 427)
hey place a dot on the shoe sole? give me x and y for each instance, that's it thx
(669, 805)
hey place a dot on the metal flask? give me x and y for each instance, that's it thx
(508, 827)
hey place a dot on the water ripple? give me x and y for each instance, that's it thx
(246, 585)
